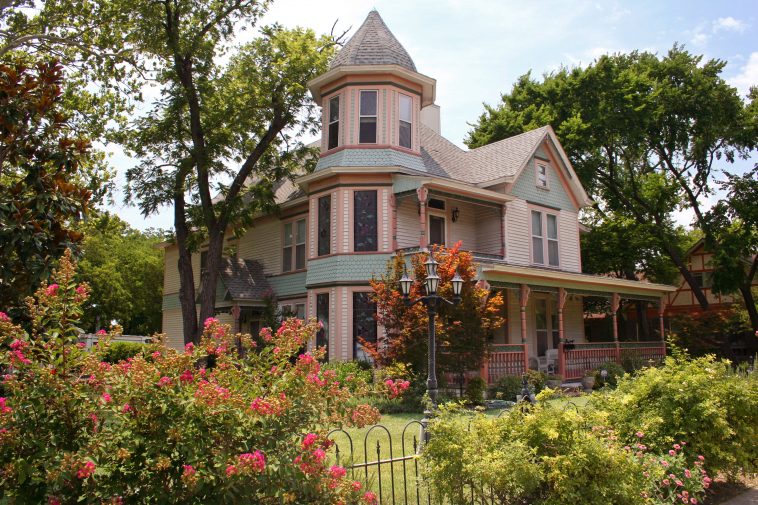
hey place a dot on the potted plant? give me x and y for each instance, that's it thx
(553, 381)
(588, 381)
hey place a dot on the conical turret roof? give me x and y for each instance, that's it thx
(373, 44)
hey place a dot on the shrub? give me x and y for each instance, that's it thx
(157, 429)
(352, 374)
(412, 398)
(614, 370)
(510, 386)
(702, 401)
(121, 351)
(475, 390)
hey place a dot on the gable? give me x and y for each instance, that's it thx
(557, 195)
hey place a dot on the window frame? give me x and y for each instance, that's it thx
(324, 244)
(333, 140)
(295, 245)
(544, 238)
(537, 181)
(375, 116)
(356, 222)
(322, 335)
(438, 215)
(400, 120)
(356, 344)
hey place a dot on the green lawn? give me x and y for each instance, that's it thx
(394, 437)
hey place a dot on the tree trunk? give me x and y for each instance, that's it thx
(210, 275)
(696, 290)
(747, 296)
(186, 276)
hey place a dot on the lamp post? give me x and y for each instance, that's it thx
(431, 301)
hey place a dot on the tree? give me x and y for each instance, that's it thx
(732, 226)
(43, 167)
(644, 134)
(464, 332)
(230, 128)
(124, 269)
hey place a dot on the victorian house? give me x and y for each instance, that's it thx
(387, 181)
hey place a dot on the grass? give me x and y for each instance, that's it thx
(395, 436)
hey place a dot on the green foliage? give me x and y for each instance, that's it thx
(121, 351)
(354, 375)
(41, 171)
(702, 401)
(544, 455)
(124, 269)
(158, 429)
(710, 332)
(475, 390)
(615, 371)
(509, 386)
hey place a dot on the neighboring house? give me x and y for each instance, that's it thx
(387, 181)
(682, 301)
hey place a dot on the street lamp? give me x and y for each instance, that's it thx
(431, 300)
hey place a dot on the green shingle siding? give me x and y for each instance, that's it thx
(371, 158)
(288, 285)
(346, 268)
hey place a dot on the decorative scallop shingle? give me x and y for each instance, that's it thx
(373, 44)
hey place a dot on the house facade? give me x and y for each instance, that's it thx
(387, 181)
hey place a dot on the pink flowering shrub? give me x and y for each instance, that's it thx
(199, 426)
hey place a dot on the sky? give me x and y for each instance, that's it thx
(476, 49)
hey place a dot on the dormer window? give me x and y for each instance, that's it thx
(334, 122)
(406, 113)
(367, 130)
(542, 176)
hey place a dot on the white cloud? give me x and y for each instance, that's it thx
(748, 76)
(729, 24)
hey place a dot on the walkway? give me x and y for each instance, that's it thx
(749, 497)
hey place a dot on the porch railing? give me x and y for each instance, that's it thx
(574, 360)
(510, 359)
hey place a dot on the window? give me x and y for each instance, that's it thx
(436, 203)
(322, 314)
(365, 225)
(436, 230)
(293, 252)
(545, 238)
(334, 122)
(406, 113)
(367, 130)
(364, 323)
(324, 225)
(542, 176)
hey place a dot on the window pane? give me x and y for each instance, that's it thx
(364, 323)
(367, 133)
(368, 103)
(542, 169)
(536, 223)
(436, 230)
(552, 226)
(300, 256)
(300, 311)
(286, 259)
(405, 134)
(334, 135)
(322, 314)
(324, 225)
(334, 109)
(406, 106)
(300, 238)
(538, 256)
(288, 234)
(552, 252)
(365, 225)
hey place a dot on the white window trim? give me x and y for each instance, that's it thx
(537, 166)
(399, 120)
(330, 122)
(544, 238)
(375, 116)
(294, 244)
(437, 213)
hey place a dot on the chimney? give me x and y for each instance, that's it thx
(430, 117)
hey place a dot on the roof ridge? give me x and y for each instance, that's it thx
(512, 137)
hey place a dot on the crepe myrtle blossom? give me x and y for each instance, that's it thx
(51, 290)
(86, 470)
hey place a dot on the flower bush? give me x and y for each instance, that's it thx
(700, 400)
(161, 427)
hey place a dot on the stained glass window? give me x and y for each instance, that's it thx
(324, 225)
(364, 323)
(365, 226)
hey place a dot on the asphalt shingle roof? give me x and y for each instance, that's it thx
(373, 44)
(244, 279)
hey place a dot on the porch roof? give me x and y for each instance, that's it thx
(503, 275)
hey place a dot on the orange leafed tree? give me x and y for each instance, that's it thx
(463, 332)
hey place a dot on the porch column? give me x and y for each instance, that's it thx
(523, 300)
(615, 302)
(562, 295)
(661, 310)
(236, 315)
(422, 194)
